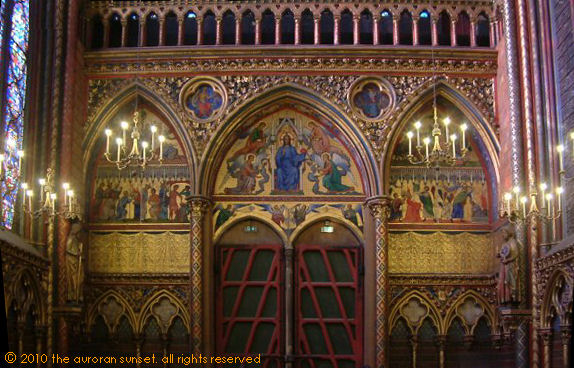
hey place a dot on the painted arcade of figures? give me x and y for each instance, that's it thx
(419, 196)
(154, 194)
(289, 153)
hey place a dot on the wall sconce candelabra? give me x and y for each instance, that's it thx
(131, 156)
(545, 205)
(47, 201)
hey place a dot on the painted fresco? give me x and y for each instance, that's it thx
(289, 153)
(155, 194)
(448, 194)
(204, 102)
(288, 215)
(371, 101)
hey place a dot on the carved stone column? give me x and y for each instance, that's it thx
(566, 336)
(316, 34)
(124, 32)
(162, 31)
(414, 345)
(434, 32)
(199, 30)
(376, 20)
(379, 208)
(180, 30)
(415, 30)
(515, 322)
(492, 34)
(297, 31)
(395, 30)
(238, 31)
(336, 29)
(473, 32)
(142, 38)
(277, 29)
(218, 30)
(356, 33)
(453, 32)
(258, 30)
(546, 337)
(199, 206)
(441, 342)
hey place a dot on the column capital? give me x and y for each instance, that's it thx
(198, 205)
(566, 334)
(379, 206)
(546, 335)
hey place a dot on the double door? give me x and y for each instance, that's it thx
(300, 308)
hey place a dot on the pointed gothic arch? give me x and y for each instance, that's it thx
(487, 139)
(93, 140)
(295, 94)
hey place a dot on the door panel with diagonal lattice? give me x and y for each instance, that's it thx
(250, 299)
(329, 307)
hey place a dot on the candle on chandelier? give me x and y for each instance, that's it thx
(543, 188)
(144, 146)
(463, 127)
(523, 200)
(410, 137)
(66, 187)
(30, 194)
(507, 198)
(560, 150)
(516, 191)
(418, 126)
(153, 129)
(426, 141)
(161, 140)
(119, 143)
(42, 182)
(446, 124)
(71, 195)
(549, 197)
(559, 192)
(124, 125)
(108, 136)
(53, 200)
(453, 138)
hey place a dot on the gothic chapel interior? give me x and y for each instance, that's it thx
(310, 184)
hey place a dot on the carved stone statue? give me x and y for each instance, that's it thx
(74, 263)
(508, 290)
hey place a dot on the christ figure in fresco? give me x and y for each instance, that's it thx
(288, 162)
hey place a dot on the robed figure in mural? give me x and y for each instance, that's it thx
(288, 162)
(507, 289)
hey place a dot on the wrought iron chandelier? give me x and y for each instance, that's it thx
(444, 151)
(130, 155)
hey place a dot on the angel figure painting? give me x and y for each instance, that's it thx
(288, 154)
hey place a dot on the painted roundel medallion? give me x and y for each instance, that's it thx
(204, 99)
(371, 98)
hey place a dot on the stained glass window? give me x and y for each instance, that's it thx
(14, 100)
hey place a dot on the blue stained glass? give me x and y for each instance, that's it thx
(15, 104)
(2, 23)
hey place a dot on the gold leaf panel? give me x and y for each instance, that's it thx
(115, 252)
(441, 253)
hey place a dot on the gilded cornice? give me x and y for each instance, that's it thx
(373, 59)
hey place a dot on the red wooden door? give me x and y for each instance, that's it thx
(249, 302)
(329, 307)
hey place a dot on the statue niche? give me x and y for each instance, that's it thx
(75, 263)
